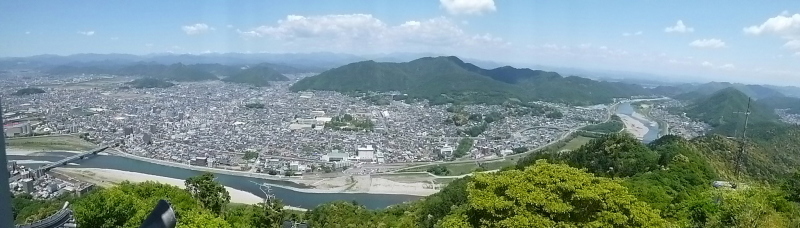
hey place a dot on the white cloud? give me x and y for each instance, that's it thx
(148, 45)
(708, 43)
(793, 45)
(196, 29)
(229, 26)
(478, 7)
(727, 66)
(364, 30)
(679, 28)
(638, 33)
(782, 25)
(86, 33)
(707, 64)
(115, 38)
(27, 32)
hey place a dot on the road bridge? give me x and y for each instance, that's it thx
(66, 160)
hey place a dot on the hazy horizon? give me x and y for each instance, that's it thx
(676, 39)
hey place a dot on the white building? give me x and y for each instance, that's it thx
(446, 150)
(366, 153)
(18, 129)
(318, 113)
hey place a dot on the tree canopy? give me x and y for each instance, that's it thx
(550, 195)
(211, 194)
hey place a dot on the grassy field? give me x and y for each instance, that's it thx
(50, 143)
(457, 169)
(576, 143)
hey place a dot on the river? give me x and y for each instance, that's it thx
(288, 196)
(652, 126)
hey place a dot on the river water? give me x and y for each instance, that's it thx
(652, 126)
(288, 196)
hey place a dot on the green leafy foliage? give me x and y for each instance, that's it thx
(439, 170)
(550, 195)
(211, 194)
(613, 125)
(614, 155)
(126, 205)
(250, 155)
(26, 209)
(464, 145)
(348, 122)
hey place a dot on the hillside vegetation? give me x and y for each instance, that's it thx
(792, 104)
(448, 79)
(256, 76)
(28, 91)
(149, 83)
(724, 110)
(754, 91)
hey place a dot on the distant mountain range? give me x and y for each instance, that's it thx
(258, 75)
(449, 79)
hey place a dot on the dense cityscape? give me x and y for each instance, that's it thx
(210, 120)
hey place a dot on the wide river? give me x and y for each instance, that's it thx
(289, 197)
(652, 126)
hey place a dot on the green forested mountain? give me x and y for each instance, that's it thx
(724, 111)
(790, 103)
(256, 76)
(448, 79)
(754, 91)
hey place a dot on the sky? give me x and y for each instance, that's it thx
(730, 40)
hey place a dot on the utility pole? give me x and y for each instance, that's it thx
(6, 216)
(742, 142)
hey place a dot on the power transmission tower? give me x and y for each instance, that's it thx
(743, 140)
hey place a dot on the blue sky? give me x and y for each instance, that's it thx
(743, 41)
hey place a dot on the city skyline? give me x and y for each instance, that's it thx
(676, 38)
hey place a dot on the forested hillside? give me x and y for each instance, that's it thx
(448, 79)
(724, 110)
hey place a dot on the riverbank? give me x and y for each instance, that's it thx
(341, 184)
(634, 126)
(110, 177)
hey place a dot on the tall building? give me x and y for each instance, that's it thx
(27, 185)
(17, 129)
(152, 129)
(127, 130)
(147, 138)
